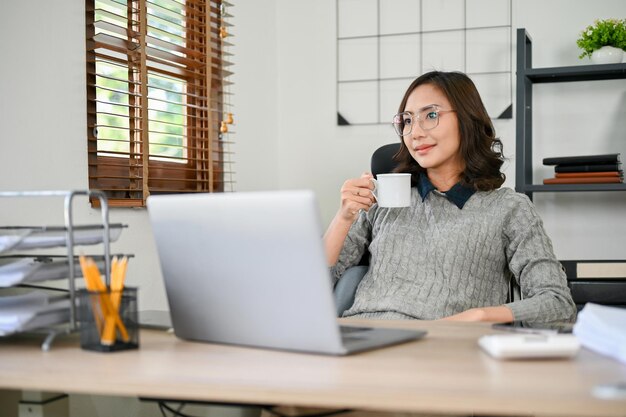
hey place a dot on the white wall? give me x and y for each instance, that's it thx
(255, 95)
(286, 118)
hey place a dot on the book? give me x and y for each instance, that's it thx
(581, 180)
(587, 168)
(589, 174)
(595, 269)
(612, 158)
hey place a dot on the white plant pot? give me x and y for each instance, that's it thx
(607, 55)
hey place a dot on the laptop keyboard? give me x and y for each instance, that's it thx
(350, 334)
(350, 329)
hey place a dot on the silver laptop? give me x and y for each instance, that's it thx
(250, 269)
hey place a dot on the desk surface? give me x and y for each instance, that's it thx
(445, 372)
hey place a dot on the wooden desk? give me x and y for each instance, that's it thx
(444, 373)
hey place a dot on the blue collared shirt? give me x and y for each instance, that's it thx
(458, 194)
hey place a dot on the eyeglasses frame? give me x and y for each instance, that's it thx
(414, 117)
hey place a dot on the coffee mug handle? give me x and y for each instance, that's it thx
(375, 188)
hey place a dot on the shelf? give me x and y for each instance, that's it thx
(526, 78)
(572, 187)
(576, 73)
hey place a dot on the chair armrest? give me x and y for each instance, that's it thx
(345, 289)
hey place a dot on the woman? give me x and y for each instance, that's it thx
(452, 253)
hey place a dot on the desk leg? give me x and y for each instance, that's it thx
(8, 402)
(43, 404)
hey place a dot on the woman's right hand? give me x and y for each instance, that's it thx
(356, 194)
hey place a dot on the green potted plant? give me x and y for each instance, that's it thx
(604, 41)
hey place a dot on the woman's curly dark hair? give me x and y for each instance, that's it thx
(480, 149)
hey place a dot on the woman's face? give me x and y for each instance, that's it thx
(436, 149)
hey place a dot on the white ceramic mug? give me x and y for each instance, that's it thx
(393, 190)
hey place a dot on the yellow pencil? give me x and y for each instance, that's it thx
(89, 282)
(111, 316)
(117, 281)
(118, 272)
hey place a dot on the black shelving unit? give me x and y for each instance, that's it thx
(596, 290)
(526, 77)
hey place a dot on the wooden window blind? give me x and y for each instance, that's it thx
(158, 98)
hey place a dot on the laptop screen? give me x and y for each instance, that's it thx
(246, 268)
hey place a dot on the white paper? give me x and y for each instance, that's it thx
(14, 270)
(40, 238)
(10, 238)
(603, 330)
(28, 311)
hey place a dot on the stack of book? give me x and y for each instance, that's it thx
(597, 281)
(587, 169)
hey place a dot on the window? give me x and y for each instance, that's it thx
(157, 98)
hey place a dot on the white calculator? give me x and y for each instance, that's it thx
(512, 346)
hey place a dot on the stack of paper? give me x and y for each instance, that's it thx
(12, 239)
(31, 311)
(16, 270)
(603, 329)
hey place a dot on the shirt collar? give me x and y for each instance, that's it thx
(458, 194)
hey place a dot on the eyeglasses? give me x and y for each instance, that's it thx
(427, 117)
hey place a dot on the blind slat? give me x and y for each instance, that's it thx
(165, 157)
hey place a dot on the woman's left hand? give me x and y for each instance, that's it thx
(500, 314)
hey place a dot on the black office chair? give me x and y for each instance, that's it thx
(382, 162)
(382, 159)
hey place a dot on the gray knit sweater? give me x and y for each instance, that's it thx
(432, 260)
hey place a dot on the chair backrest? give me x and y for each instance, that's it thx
(382, 159)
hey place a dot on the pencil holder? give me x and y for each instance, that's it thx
(108, 320)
